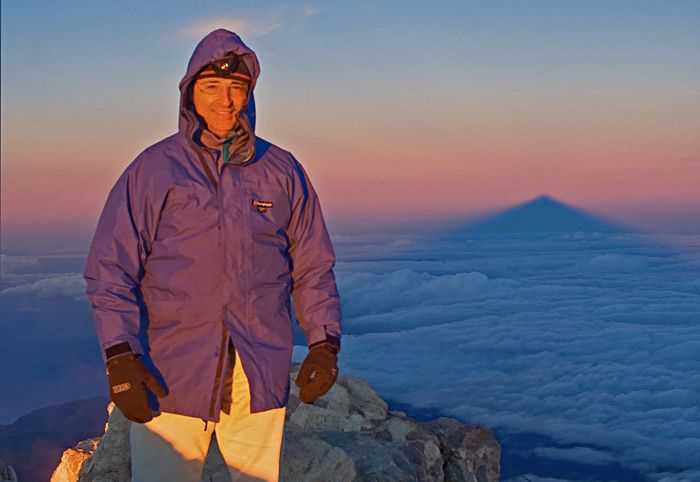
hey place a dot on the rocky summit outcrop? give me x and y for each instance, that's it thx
(347, 435)
(7, 473)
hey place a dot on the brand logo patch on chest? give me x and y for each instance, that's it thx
(262, 205)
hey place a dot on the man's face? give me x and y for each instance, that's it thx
(218, 101)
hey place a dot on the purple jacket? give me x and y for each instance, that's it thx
(184, 258)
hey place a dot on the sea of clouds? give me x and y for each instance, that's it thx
(591, 341)
(48, 348)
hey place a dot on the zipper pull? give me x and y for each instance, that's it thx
(226, 147)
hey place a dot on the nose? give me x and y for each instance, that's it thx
(225, 97)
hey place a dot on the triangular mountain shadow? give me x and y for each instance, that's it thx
(542, 214)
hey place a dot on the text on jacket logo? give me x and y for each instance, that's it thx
(262, 205)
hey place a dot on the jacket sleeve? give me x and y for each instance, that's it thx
(115, 263)
(314, 291)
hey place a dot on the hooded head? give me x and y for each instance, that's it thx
(215, 47)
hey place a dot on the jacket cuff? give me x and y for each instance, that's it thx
(333, 343)
(120, 347)
(117, 350)
(314, 335)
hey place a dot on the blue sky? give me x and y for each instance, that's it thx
(485, 104)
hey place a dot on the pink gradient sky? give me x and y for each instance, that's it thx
(602, 119)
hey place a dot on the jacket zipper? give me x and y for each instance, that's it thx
(219, 368)
(222, 347)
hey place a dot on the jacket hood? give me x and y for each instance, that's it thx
(214, 46)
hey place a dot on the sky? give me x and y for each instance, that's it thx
(402, 112)
(578, 350)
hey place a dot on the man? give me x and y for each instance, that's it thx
(200, 245)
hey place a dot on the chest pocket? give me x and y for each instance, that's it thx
(268, 209)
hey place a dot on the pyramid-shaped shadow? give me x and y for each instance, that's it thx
(542, 214)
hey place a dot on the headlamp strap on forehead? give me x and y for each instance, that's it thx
(227, 67)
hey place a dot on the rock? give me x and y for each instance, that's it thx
(347, 435)
(111, 460)
(7, 473)
(309, 459)
(73, 459)
(215, 468)
(350, 406)
(468, 450)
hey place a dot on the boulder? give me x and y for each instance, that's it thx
(72, 460)
(7, 473)
(111, 459)
(347, 435)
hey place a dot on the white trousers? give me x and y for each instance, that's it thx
(173, 447)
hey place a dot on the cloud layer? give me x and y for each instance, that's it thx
(70, 285)
(589, 339)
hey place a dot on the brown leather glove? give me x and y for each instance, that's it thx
(319, 370)
(128, 380)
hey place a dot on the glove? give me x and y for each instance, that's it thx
(128, 380)
(319, 370)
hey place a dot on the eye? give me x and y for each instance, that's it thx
(210, 89)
